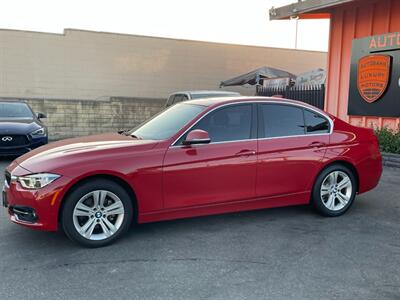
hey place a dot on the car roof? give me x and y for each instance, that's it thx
(11, 100)
(226, 100)
(200, 92)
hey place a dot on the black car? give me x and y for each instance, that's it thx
(21, 130)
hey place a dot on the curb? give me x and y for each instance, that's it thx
(391, 160)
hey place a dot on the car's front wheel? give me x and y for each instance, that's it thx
(97, 213)
(334, 190)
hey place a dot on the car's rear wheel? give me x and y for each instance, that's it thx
(97, 213)
(334, 190)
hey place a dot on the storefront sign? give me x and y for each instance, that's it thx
(388, 41)
(276, 83)
(314, 77)
(375, 76)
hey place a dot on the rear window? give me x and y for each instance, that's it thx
(315, 123)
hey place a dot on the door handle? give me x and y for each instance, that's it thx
(246, 153)
(317, 144)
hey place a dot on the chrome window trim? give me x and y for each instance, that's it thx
(265, 138)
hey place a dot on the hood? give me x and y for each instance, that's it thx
(18, 126)
(80, 150)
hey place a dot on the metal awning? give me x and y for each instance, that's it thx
(304, 7)
(255, 76)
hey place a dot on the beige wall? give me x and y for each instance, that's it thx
(70, 118)
(94, 65)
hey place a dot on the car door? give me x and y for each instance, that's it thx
(223, 170)
(291, 146)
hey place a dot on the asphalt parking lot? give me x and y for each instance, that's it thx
(285, 253)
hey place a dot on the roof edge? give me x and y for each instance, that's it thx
(294, 10)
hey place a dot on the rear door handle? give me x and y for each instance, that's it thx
(246, 153)
(317, 144)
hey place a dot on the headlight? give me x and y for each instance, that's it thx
(36, 181)
(39, 132)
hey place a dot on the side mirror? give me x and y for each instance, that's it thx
(197, 136)
(41, 115)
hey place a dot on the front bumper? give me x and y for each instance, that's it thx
(18, 150)
(36, 209)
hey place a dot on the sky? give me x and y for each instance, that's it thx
(227, 21)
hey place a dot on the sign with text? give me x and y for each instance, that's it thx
(375, 76)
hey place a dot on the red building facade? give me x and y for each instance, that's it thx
(351, 20)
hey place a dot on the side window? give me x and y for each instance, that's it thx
(315, 123)
(227, 124)
(177, 99)
(281, 120)
(180, 98)
(170, 101)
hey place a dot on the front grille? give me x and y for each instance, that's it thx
(13, 140)
(7, 176)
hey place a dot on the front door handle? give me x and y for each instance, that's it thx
(317, 144)
(246, 153)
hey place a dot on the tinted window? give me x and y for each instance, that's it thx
(227, 124)
(168, 122)
(170, 100)
(315, 123)
(178, 98)
(281, 120)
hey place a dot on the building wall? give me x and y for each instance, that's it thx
(95, 65)
(356, 20)
(71, 118)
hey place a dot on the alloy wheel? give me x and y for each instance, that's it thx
(98, 215)
(336, 190)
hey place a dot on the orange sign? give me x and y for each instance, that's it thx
(373, 76)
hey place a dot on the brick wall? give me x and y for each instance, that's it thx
(70, 118)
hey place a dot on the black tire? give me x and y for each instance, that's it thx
(317, 201)
(85, 188)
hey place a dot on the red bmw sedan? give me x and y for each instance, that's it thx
(196, 158)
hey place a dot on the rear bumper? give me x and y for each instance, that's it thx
(370, 172)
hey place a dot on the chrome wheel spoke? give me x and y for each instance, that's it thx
(110, 225)
(105, 229)
(334, 177)
(114, 209)
(344, 183)
(87, 229)
(82, 210)
(331, 202)
(99, 197)
(342, 198)
(324, 190)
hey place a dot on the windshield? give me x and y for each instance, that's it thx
(15, 110)
(168, 122)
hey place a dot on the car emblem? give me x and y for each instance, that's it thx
(373, 76)
(6, 138)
